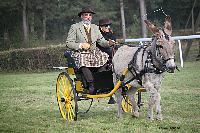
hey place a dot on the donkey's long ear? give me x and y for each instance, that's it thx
(168, 25)
(152, 28)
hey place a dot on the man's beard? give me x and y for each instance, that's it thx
(87, 22)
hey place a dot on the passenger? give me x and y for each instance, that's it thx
(106, 31)
(82, 39)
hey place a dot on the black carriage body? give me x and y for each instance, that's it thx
(103, 81)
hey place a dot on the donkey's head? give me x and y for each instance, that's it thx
(164, 46)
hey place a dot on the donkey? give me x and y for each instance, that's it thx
(146, 66)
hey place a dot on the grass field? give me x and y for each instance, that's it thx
(28, 104)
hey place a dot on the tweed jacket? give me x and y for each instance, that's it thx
(77, 35)
(93, 57)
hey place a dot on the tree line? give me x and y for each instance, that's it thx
(28, 23)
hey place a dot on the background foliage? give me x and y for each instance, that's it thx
(58, 15)
(32, 59)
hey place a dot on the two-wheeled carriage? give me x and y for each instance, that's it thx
(71, 88)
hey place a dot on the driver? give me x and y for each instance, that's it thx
(82, 39)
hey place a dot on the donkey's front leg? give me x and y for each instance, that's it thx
(131, 94)
(158, 107)
(119, 103)
(157, 85)
(153, 92)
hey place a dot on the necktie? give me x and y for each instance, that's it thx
(88, 29)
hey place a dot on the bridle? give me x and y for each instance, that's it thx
(159, 46)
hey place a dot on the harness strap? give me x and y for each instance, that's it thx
(132, 67)
(149, 63)
(149, 67)
(166, 35)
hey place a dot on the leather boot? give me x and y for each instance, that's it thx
(111, 100)
(91, 88)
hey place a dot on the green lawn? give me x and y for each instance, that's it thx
(28, 104)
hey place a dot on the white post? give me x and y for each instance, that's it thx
(180, 51)
(141, 43)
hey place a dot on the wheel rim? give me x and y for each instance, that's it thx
(126, 104)
(66, 97)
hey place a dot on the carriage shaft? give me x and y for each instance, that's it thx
(117, 86)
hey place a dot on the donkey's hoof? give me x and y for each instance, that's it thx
(119, 116)
(150, 118)
(136, 114)
(159, 118)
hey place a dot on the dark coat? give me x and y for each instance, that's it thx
(107, 36)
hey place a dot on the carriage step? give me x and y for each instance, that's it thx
(83, 97)
(142, 90)
(140, 104)
(62, 99)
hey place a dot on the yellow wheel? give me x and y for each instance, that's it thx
(66, 97)
(126, 104)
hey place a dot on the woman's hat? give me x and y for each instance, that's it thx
(103, 22)
(86, 10)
